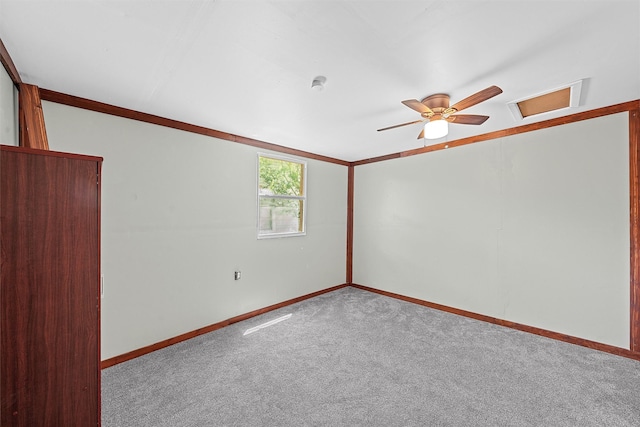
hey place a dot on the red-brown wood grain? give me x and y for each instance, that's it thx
(33, 132)
(377, 159)
(8, 64)
(634, 193)
(210, 328)
(50, 153)
(525, 328)
(350, 195)
(49, 288)
(98, 280)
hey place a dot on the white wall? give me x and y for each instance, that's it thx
(531, 228)
(8, 110)
(179, 216)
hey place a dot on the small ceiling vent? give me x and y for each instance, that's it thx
(557, 99)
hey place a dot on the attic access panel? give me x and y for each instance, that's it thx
(558, 99)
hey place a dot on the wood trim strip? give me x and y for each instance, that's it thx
(51, 153)
(6, 60)
(350, 194)
(634, 194)
(513, 325)
(585, 115)
(166, 343)
(33, 132)
(100, 107)
(100, 289)
(378, 159)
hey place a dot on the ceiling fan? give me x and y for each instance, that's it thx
(435, 110)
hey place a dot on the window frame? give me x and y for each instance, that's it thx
(302, 198)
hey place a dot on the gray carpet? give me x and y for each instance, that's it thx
(355, 358)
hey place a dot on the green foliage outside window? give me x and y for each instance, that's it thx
(285, 180)
(280, 177)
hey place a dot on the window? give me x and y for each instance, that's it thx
(282, 196)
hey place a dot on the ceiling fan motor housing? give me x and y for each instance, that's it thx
(437, 103)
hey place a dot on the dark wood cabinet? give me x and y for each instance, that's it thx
(49, 288)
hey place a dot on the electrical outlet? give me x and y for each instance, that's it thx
(237, 275)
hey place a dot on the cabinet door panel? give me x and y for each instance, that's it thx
(49, 290)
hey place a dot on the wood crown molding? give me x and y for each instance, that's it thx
(585, 115)
(100, 107)
(513, 325)
(201, 331)
(33, 132)
(6, 60)
(87, 104)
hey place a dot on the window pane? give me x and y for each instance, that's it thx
(281, 177)
(280, 215)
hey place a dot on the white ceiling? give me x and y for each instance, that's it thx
(245, 67)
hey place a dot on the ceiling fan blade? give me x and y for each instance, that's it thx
(421, 134)
(477, 98)
(403, 124)
(418, 106)
(467, 119)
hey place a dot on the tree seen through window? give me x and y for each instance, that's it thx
(281, 196)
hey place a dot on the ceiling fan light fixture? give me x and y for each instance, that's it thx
(435, 129)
